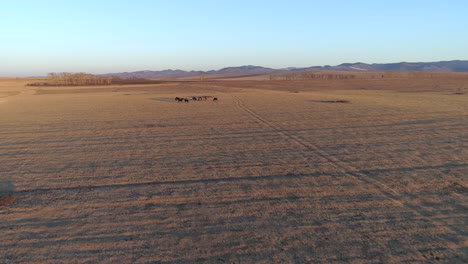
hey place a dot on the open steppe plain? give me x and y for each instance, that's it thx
(273, 172)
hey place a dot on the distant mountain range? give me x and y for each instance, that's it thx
(440, 66)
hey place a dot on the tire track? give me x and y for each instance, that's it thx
(350, 171)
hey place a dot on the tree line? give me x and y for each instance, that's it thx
(76, 79)
(85, 79)
(314, 75)
(310, 75)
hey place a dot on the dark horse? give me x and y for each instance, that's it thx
(215, 99)
(186, 100)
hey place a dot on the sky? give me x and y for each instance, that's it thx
(37, 37)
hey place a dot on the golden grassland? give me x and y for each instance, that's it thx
(271, 173)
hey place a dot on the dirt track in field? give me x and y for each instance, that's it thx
(274, 172)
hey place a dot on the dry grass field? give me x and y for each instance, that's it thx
(273, 172)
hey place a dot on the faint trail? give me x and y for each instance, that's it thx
(349, 170)
(5, 95)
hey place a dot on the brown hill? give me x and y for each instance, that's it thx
(441, 66)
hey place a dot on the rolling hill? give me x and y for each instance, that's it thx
(440, 66)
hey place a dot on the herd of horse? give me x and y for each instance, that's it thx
(194, 98)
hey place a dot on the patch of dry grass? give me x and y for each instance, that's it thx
(266, 175)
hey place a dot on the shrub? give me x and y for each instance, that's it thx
(6, 192)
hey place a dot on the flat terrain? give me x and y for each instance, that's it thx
(273, 172)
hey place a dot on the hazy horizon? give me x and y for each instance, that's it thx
(228, 66)
(124, 36)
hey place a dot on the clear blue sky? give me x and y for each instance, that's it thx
(96, 36)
